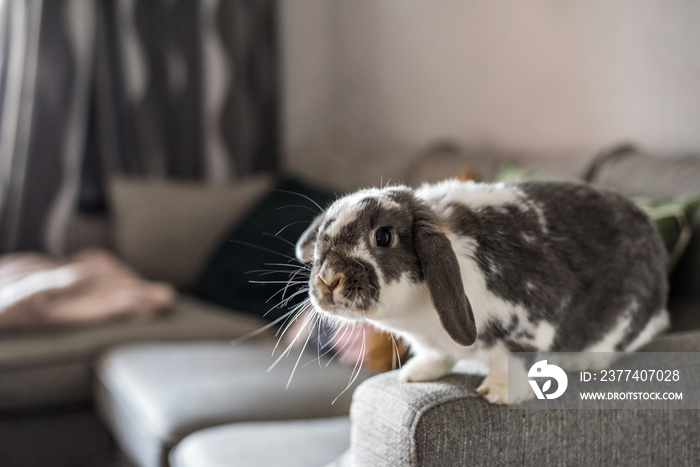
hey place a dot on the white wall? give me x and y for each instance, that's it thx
(369, 77)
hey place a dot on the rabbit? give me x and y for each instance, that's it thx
(469, 270)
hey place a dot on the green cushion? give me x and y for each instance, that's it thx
(510, 172)
(674, 220)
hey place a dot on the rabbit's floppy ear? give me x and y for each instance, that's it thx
(307, 241)
(441, 272)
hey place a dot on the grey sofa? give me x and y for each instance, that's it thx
(187, 398)
(51, 392)
(152, 395)
(444, 423)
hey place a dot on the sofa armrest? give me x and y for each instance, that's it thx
(444, 422)
(394, 423)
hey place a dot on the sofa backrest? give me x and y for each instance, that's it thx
(640, 174)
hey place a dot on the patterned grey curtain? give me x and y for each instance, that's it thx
(160, 88)
(46, 50)
(188, 88)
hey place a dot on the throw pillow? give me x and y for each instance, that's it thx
(167, 229)
(255, 258)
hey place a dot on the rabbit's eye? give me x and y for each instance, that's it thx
(383, 237)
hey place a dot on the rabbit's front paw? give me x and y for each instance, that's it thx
(495, 389)
(421, 368)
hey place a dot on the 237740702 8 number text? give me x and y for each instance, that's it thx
(632, 375)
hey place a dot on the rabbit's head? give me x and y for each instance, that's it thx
(371, 250)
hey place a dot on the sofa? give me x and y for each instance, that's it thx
(445, 423)
(52, 380)
(184, 396)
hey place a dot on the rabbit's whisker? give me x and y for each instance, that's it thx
(267, 272)
(396, 355)
(288, 265)
(291, 344)
(358, 367)
(262, 248)
(300, 309)
(297, 206)
(320, 209)
(262, 329)
(285, 301)
(275, 236)
(301, 352)
(319, 325)
(278, 282)
(332, 347)
(289, 225)
(347, 342)
(364, 269)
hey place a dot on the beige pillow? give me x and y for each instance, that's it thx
(166, 230)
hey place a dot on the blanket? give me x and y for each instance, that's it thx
(37, 291)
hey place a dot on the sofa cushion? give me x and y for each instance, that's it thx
(448, 159)
(152, 395)
(54, 366)
(683, 341)
(300, 443)
(635, 172)
(166, 230)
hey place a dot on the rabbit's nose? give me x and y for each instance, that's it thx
(331, 283)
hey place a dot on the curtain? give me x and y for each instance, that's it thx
(182, 89)
(47, 53)
(179, 79)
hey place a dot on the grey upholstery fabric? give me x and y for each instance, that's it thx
(444, 423)
(301, 443)
(687, 341)
(632, 171)
(152, 395)
(54, 367)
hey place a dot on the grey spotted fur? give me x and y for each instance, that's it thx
(570, 255)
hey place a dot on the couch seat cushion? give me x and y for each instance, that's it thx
(152, 395)
(53, 367)
(300, 443)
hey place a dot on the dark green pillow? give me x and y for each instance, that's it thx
(674, 220)
(262, 241)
